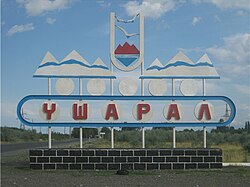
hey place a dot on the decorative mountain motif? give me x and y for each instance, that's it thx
(180, 66)
(76, 56)
(180, 56)
(73, 65)
(126, 48)
(155, 64)
(126, 54)
(49, 58)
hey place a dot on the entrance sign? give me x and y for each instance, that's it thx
(131, 106)
(141, 112)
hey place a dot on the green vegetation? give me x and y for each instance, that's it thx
(11, 135)
(235, 143)
(87, 132)
(233, 152)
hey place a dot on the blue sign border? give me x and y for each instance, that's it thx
(115, 124)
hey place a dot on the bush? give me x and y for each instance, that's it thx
(9, 134)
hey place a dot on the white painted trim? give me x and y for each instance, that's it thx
(236, 164)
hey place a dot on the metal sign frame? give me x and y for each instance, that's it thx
(127, 98)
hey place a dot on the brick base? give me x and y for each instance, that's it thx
(130, 159)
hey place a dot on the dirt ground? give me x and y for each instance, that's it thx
(15, 172)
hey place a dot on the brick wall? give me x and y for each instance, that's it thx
(131, 159)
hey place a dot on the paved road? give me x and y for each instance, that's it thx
(5, 148)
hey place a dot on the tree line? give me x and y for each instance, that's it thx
(160, 137)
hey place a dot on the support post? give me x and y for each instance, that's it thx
(69, 132)
(80, 93)
(143, 129)
(112, 137)
(204, 128)
(203, 87)
(174, 131)
(112, 48)
(173, 87)
(49, 134)
(81, 137)
(49, 86)
(143, 137)
(142, 66)
(205, 137)
(174, 142)
(49, 128)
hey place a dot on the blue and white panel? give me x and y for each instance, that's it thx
(73, 65)
(180, 66)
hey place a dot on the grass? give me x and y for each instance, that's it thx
(233, 152)
(102, 143)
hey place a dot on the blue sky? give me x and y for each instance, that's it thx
(30, 28)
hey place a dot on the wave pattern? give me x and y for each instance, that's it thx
(180, 63)
(71, 61)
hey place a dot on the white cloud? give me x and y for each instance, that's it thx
(38, 7)
(227, 4)
(151, 8)
(157, 8)
(224, 4)
(234, 53)
(103, 4)
(196, 20)
(51, 21)
(20, 28)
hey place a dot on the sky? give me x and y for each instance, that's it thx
(30, 28)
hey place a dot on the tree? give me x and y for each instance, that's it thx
(130, 128)
(87, 132)
(247, 126)
(107, 132)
